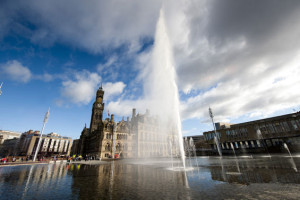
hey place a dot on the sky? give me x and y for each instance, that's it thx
(241, 58)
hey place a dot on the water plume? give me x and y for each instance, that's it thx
(161, 91)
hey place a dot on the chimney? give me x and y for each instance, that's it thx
(112, 117)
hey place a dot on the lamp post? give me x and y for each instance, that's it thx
(215, 138)
(40, 139)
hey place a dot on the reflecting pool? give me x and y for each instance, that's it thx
(274, 177)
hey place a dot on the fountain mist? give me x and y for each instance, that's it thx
(161, 89)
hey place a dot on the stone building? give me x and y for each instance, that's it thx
(98, 140)
(5, 135)
(260, 135)
(151, 138)
(9, 142)
(139, 137)
(52, 144)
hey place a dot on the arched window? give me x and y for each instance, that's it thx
(107, 147)
(119, 147)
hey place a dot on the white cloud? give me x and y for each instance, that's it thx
(113, 89)
(123, 107)
(260, 97)
(45, 77)
(81, 89)
(14, 70)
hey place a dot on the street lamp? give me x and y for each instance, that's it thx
(215, 138)
(40, 140)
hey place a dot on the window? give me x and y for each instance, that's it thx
(285, 126)
(228, 134)
(118, 147)
(270, 128)
(263, 129)
(258, 143)
(247, 145)
(294, 124)
(244, 132)
(232, 133)
(278, 127)
(107, 147)
(236, 145)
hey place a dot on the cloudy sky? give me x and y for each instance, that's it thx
(239, 57)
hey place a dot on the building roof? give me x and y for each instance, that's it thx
(291, 115)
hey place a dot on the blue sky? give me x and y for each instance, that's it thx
(242, 59)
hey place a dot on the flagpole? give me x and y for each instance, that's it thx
(40, 139)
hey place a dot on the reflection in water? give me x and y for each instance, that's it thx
(153, 180)
(128, 181)
(293, 164)
(258, 171)
(33, 181)
(27, 182)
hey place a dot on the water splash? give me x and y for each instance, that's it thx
(161, 88)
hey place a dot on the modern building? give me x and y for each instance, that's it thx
(259, 136)
(139, 137)
(52, 144)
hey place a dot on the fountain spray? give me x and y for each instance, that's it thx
(161, 87)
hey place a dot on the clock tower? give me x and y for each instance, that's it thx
(97, 111)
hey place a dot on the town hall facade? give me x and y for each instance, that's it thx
(137, 137)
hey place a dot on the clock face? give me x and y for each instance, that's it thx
(99, 105)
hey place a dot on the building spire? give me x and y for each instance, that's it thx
(101, 86)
